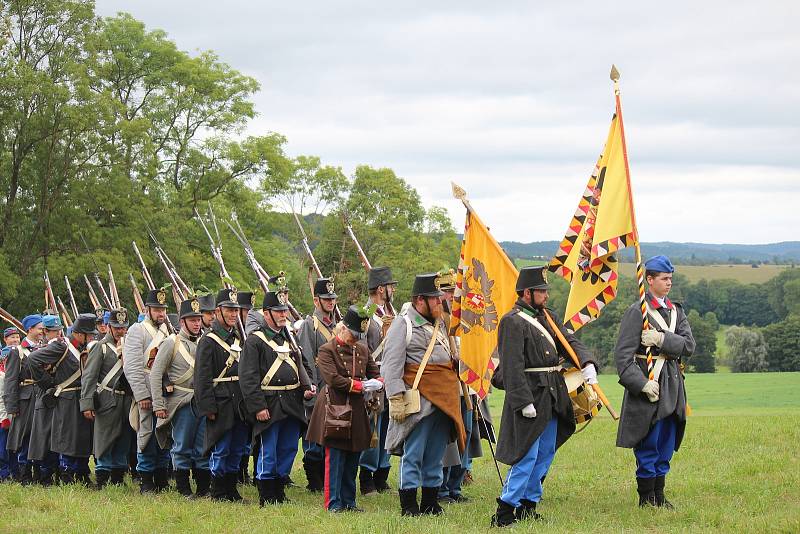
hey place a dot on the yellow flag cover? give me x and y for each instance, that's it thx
(602, 224)
(484, 293)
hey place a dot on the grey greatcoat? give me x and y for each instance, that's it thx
(638, 413)
(310, 338)
(224, 400)
(257, 358)
(523, 346)
(52, 367)
(396, 354)
(19, 397)
(176, 367)
(105, 391)
(141, 347)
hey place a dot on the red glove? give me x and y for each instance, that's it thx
(5, 424)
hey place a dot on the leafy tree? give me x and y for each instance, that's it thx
(704, 329)
(747, 348)
(783, 342)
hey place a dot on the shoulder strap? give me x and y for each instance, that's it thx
(233, 355)
(282, 355)
(536, 324)
(180, 348)
(658, 319)
(322, 329)
(425, 358)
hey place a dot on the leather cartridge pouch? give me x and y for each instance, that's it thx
(338, 419)
(409, 403)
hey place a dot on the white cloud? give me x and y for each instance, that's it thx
(512, 100)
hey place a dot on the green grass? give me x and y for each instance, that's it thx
(737, 471)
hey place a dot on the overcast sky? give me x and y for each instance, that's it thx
(512, 100)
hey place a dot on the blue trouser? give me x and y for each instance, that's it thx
(226, 456)
(313, 452)
(22, 456)
(74, 464)
(152, 457)
(377, 457)
(188, 433)
(421, 463)
(278, 449)
(8, 459)
(49, 465)
(453, 476)
(524, 479)
(341, 468)
(116, 456)
(654, 452)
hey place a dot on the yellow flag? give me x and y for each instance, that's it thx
(602, 224)
(484, 293)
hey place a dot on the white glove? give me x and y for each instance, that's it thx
(590, 374)
(372, 384)
(652, 338)
(529, 411)
(651, 389)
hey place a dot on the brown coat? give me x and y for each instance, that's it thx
(342, 368)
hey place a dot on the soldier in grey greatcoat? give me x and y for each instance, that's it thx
(45, 461)
(653, 418)
(57, 370)
(315, 331)
(421, 437)
(537, 412)
(106, 399)
(141, 347)
(374, 465)
(172, 387)
(19, 396)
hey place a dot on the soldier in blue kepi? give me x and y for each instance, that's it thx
(537, 412)
(653, 416)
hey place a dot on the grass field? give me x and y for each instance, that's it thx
(737, 471)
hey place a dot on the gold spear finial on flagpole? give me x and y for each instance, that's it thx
(615, 78)
(461, 194)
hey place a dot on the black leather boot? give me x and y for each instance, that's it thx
(161, 479)
(504, 516)
(408, 502)
(379, 478)
(219, 490)
(658, 491)
(66, 477)
(365, 481)
(101, 478)
(527, 510)
(202, 478)
(146, 484)
(231, 480)
(266, 492)
(182, 484)
(429, 503)
(118, 476)
(645, 487)
(315, 483)
(243, 476)
(280, 490)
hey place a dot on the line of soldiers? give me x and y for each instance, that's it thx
(234, 380)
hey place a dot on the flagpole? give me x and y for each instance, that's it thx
(637, 246)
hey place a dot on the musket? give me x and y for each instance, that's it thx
(177, 294)
(112, 288)
(64, 314)
(72, 303)
(49, 296)
(137, 296)
(337, 314)
(145, 273)
(96, 274)
(363, 257)
(172, 273)
(13, 320)
(216, 252)
(261, 273)
(92, 296)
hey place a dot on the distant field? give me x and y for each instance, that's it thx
(741, 273)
